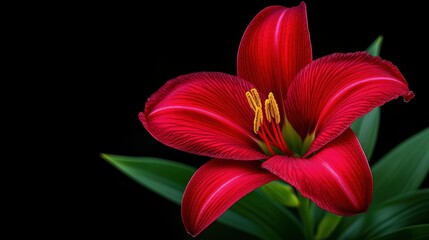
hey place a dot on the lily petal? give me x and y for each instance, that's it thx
(333, 91)
(274, 47)
(215, 187)
(204, 113)
(337, 178)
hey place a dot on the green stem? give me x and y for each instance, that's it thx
(306, 217)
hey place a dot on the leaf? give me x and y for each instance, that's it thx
(366, 130)
(375, 47)
(366, 127)
(403, 169)
(281, 192)
(327, 225)
(256, 214)
(275, 220)
(317, 213)
(417, 232)
(166, 178)
(405, 210)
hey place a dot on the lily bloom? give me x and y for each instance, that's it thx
(284, 116)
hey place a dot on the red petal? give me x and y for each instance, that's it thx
(206, 114)
(337, 179)
(274, 47)
(333, 91)
(215, 187)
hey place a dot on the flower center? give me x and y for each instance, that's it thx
(277, 140)
(267, 128)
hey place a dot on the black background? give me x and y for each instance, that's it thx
(124, 52)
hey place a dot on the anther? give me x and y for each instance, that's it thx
(272, 108)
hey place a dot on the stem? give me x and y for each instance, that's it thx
(306, 217)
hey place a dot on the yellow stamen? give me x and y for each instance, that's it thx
(256, 105)
(257, 122)
(256, 96)
(272, 108)
(251, 101)
(271, 134)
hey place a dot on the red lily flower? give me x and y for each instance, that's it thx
(284, 116)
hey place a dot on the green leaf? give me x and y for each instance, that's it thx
(403, 169)
(366, 130)
(166, 178)
(366, 127)
(281, 192)
(405, 210)
(375, 47)
(327, 225)
(317, 213)
(275, 221)
(256, 214)
(417, 232)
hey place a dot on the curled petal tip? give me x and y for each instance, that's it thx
(408, 96)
